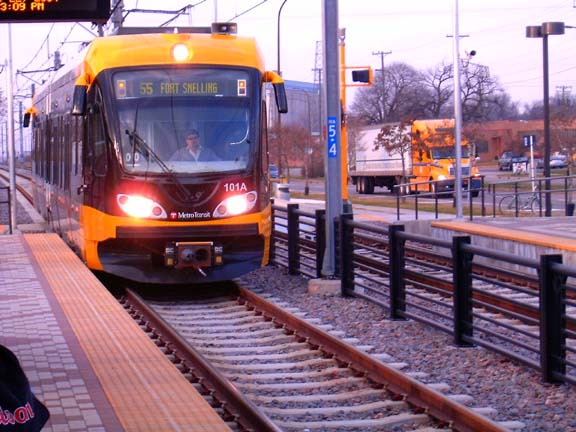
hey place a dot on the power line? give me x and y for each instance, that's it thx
(42, 45)
(247, 10)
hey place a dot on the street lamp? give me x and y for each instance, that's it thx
(279, 118)
(278, 38)
(543, 31)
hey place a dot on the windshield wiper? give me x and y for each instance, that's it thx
(145, 150)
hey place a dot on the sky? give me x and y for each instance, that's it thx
(416, 32)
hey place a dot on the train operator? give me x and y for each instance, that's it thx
(194, 151)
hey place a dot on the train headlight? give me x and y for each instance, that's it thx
(140, 207)
(235, 205)
(441, 177)
(180, 52)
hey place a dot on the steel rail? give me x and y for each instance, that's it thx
(244, 411)
(436, 404)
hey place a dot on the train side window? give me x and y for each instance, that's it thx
(264, 139)
(53, 152)
(97, 138)
(68, 142)
(77, 139)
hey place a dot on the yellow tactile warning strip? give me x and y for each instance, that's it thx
(518, 235)
(146, 391)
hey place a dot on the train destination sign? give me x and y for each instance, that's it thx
(54, 10)
(138, 85)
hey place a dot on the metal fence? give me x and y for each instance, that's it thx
(6, 207)
(524, 197)
(527, 314)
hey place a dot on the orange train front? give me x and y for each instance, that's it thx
(106, 130)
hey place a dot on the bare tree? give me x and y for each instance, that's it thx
(369, 105)
(440, 90)
(480, 93)
(404, 92)
(395, 95)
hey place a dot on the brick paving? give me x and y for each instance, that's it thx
(32, 325)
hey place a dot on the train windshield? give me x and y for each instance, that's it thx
(185, 120)
(448, 152)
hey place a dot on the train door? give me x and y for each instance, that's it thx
(95, 157)
(52, 175)
(76, 180)
(65, 168)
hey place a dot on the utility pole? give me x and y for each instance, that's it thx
(117, 16)
(382, 54)
(333, 131)
(563, 91)
(457, 115)
(10, 134)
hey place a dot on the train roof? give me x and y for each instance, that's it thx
(154, 49)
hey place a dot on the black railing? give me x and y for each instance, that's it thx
(453, 286)
(524, 197)
(433, 190)
(5, 200)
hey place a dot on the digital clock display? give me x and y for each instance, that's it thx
(54, 10)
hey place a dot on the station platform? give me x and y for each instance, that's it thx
(528, 237)
(86, 359)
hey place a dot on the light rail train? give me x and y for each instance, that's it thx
(105, 132)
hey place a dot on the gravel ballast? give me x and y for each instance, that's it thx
(515, 391)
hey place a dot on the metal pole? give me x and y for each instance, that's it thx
(346, 204)
(543, 31)
(278, 38)
(21, 130)
(548, 197)
(308, 146)
(532, 167)
(333, 133)
(279, 117)
(11, 165)
(382, 54)
(457, 117)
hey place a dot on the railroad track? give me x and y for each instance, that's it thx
(22, 187)
(290, 374)
(506, 303)
(503, 289)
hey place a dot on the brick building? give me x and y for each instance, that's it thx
(493, 138)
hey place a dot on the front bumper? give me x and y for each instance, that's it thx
(142, 254)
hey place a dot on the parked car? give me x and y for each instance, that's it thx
(558, 161)
(273, 171)
(507, 160)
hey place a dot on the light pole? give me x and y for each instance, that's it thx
(278, 38)
(279, 118)
(542, 31)
(457, 116)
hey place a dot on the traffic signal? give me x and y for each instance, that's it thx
(363, 76)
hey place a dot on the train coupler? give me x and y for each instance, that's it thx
(196, 255)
